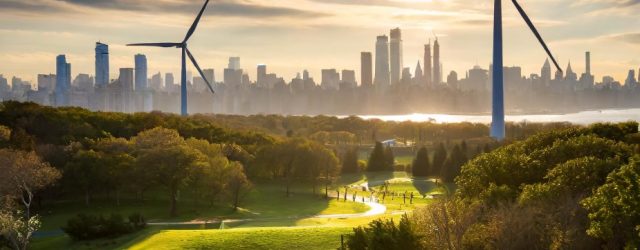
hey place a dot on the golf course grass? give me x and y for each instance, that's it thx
(267, 218)
(309, 238)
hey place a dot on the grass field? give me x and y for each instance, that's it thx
(309, 238)
(275, 221)
(265, 201)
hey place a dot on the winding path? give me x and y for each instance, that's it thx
(374, 209)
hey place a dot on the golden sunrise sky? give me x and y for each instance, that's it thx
(292, 35)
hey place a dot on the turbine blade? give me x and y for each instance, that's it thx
(195, 23)
(536, 33)
(164, 45)
(195, 64)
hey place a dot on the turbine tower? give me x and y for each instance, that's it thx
(185, 52)
(497, 124)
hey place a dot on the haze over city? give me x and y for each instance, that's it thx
(292, 35)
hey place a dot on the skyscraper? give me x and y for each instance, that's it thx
(428, 70)
(63, 81)
(262, 75)
(234, 63)
(126, 84)
(210, 74)
(396, 55)
(587, 56)
(141, 73)
(102, 64)
(545, 74)
(330, 79)
(366, 69)
(349, 78)
(382, 63)
(419, 75)
(437, 67)
(169, 82)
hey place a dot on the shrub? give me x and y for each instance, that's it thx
(385, 234)
(89, 227)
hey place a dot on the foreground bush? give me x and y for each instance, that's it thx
(89, 227)
(385, 234)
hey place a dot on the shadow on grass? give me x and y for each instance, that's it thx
(378, 178)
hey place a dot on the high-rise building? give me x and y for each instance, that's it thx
(141, 73)
(349, 78)
(46, 82)
(428, 70)
(63, 81)
(262, 75)
(234, 63)
(587, 56)
(545, 74)
(366, 69)
(419, 75)
(4, 84)
(437, 66)
(232, 77)
(406, 76)
(169, 81)
(126, 83)
(631, 82)
(587, 79)
(210, 74)
(102, 64)
(396, 65)
(570, 75)
(330, 79)
(305, 75)
(452, 79)
(382, 63)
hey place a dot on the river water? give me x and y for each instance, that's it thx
(585, 117)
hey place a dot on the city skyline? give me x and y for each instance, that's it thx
(255, 23)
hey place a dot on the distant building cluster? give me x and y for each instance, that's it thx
(386, 86)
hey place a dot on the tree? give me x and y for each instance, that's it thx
(5, 136)
(17, 229)
(453, 164)
(614, 209)
(164, 153)
(23, 173)
(439, 158)
(208, 180)
(377, 160)
(389, 159)
(119, 164)
(350, 161)
(420, 166)
(237, 183)
(87, 171)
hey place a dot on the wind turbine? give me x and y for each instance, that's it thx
(185, 52)
(497, 124)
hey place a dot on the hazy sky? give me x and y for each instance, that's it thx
(292, 35)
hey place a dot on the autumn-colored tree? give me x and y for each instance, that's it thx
(23, 173)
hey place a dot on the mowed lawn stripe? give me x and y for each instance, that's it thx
(319, 238)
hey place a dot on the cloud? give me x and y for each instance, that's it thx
(630, 38)
(235, 8)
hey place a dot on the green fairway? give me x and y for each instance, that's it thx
(265, 201)
(308, 238)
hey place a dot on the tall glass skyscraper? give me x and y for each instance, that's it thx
(437, 65)
(382, 63)
(428, 70)
(396, 55)
(141, 73)
(63, 81)
(102, 64)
